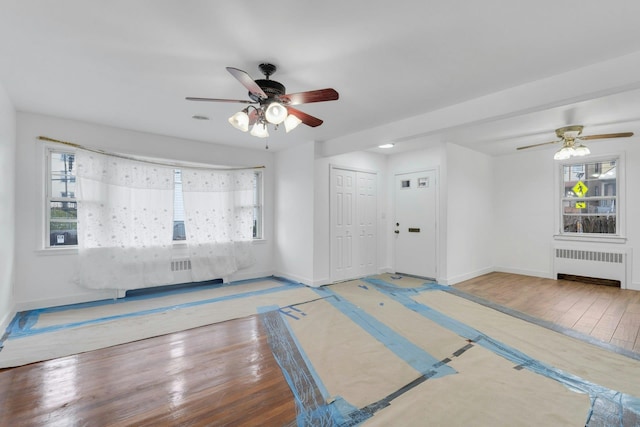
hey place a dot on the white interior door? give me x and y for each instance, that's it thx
(415, 230)
(353, 196)
(366, 211)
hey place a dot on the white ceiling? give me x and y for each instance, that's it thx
(489, 75)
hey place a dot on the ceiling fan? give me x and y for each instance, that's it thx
(270, 104)
(571, 138)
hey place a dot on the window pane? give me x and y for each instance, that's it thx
(589, 201)
(589, 206)
(63, 233)
(178, 207)
(63, 210)
(590, 224)
(257, 216)
(63, 175)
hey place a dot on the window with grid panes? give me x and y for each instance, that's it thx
(590, 201)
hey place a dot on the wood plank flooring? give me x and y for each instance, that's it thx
(225, 374)
(606, 313)
(218, 375)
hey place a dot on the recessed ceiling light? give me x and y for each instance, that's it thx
(200, 117)
(389, 145)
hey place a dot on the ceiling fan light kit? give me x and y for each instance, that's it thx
(259, 130)
(240, 120)
(291, 122)
(271, 104)
(571, 138)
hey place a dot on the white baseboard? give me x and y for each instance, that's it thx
(6, 320)
(294, 278)
(467, 276)
(534, 273)
(240, 275)
(72, 299)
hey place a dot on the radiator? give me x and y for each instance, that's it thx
(180, 264)
(181, 269)
(600, 264)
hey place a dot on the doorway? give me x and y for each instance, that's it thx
(415, 224)
(353, 214)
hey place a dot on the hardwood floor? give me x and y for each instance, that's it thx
(225, 374)
(222, 374)
(606, 313)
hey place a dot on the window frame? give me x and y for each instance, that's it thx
(620, 235)
(50, 151)
(49, 199)
(258, 204)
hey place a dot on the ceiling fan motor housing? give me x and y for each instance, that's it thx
(271, 87)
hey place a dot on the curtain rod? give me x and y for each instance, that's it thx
(122, 156)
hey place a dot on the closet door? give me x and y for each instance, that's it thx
(353, 202)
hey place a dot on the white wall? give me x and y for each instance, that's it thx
(525, 207)
(360, 161)
(7, 207)
(294, 213)
(44, 277)
(524, 212)
(434, 157)
(469, 214)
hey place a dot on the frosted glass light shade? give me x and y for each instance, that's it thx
(581, 150)
(564, 153)
(275, 113)
(240, 121)
(260, 130)
(291, 122)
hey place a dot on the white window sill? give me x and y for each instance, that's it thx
(590, 238)
(73, 250)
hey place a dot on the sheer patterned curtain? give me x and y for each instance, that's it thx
(125, 222)
(218, 210)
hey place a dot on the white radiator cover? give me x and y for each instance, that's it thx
(610, 263)
(181, 269)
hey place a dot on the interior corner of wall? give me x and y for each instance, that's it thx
(6, 319)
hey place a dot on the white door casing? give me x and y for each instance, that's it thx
(415, 224)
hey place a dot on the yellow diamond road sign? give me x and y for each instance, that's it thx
(581, 205)
(580, 189)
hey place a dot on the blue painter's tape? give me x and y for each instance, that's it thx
(288, 313)
(308, 390)
(622, 402)
(413, 355)
(17, 333)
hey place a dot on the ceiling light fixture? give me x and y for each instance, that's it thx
(569, 147)
(261, 116)
(260, 130)
(389, 145)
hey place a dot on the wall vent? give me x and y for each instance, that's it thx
(180, 264)
(598, 264)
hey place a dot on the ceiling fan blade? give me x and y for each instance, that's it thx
(247, 82)
(537, 145)
(243, 101)
(607, 135)
(306, 118)
(308, 97)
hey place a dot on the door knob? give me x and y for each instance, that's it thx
(397, 231)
